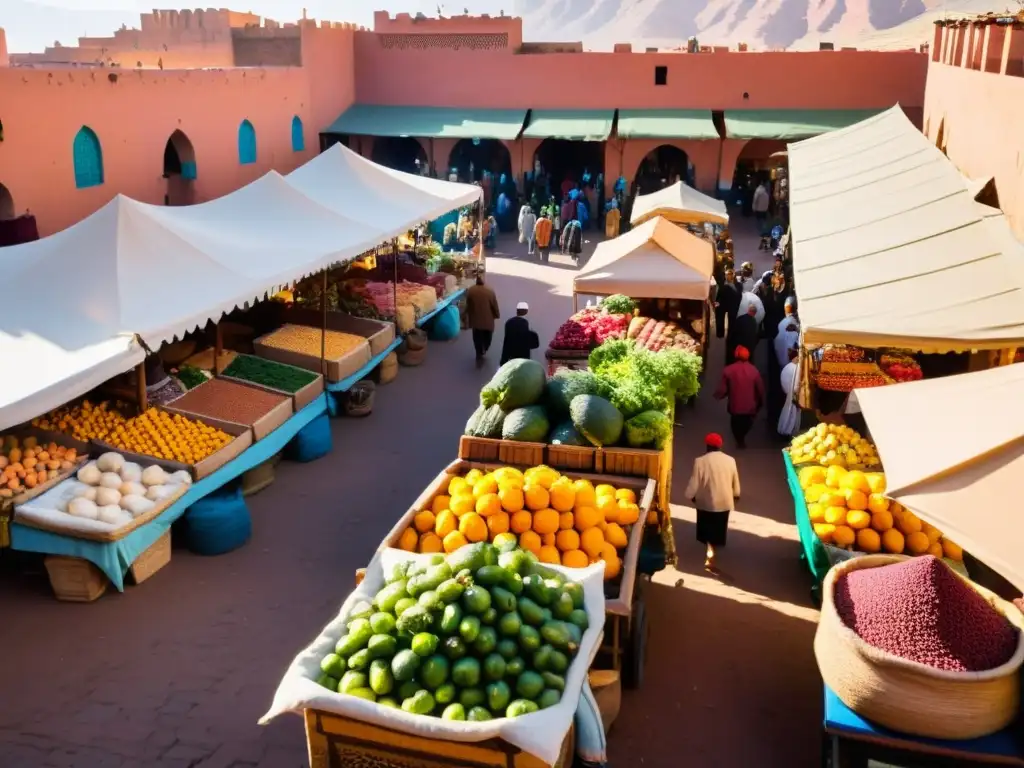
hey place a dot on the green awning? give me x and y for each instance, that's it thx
(790, 124)
(572, 124)
(666, 124)
(429, 122)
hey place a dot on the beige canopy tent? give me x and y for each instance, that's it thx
(681, 204)
(890, 248)
(953, 451)
(656, 260)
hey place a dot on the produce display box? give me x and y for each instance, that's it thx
(300, 398)
(43, 436)
(334, 741)
(243, 439)
(337, 369)
(76, 580)
(261, 427)
(378, 333)
(152, 559)
(485, 449)
(574, 360)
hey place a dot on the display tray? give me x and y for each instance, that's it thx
(378, 333)
(300, 397)
(46, 437)
(620, 603)
(26, 514)
(261, 427)
(243, 439)
(204, 360)
(335, 369)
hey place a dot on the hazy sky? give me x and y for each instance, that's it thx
(34, 24)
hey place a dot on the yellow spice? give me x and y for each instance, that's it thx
(306, 339)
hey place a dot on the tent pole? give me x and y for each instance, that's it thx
(575, 302)
(394, 285)
(480, 226)
(218, 348)
(140, 386)
(718, 172)
(323, 327)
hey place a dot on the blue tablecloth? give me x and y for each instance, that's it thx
(115, 557)
(346, 384)
(441, 305)
(845, 723)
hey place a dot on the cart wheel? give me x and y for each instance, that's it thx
(636, 650)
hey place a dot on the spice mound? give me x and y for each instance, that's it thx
(269, 374)
(228, 401)
(921, 611)
(306, 339)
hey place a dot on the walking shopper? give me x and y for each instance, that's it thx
(789, 417)
(527, 224)
(542, 235)
(714, 488)
(742, 388)
(481, 312)
(760, 204)
(743, 331)
(519, 339)
(727, 302)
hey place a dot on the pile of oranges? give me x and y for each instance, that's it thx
(562, 521)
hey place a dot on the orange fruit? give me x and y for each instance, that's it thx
(609, 508)
(567, 540)
(536, 497)
(462, 503)
(612, 568)
(485, 485)
(521, 521)
(857, 519)
(530, 541)
(608, 552)
(935, 549)
(952, 550)
(565, 521)
(473, 527)
(424, 521)
(616, 536)
(605, 490)
(430, 542)
(473, 475)
(548, 540)
(440, 503)
(453, 541)
(457, 484)
(563, 496)
(893, 541)
(585, 494)
(498, 523)
(511, 499)
(586, 517)
(917, 543)
(488, 504)
(545, 521)
(881, 520)
(591, 541)
(408, 540)
(574, 558)
(868, 540)
(628, 513)
(445, 523)
(626, 494)
(549, 555)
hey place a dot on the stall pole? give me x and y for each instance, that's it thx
(323, 327)
(480, 226)
(575, 302)
(140, 386)
(218, 348)
(718, 171)
(394, 285)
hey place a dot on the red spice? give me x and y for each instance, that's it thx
(921, 611)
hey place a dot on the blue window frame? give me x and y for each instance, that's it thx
(298, 139)
(246, 143)
(88, 158)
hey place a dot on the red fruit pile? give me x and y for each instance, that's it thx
(904, 372)
(920, 610)
(589, 328)
(572, 334)
(610, 327)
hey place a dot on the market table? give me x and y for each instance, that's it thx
(445, 302)
(850, 741)
(116, 557)
(814, 553)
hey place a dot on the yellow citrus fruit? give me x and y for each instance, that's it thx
(549, 555)
(430, 542)
(628, 513)
(408, 540)
(815, 492)
(563, 497)
(440, 503)
(545, 521)
(574, 558)
(835, 515)
(824, 531)
(521, 521)
(457, 484)
(486, 484)
(832, 499)
(917, 543)
(473, 527)
(445, 523)
(855, 480)
(878, 503)
(567, 540)
(530, 541)
(462, 503)
(616, 536)
(816, 512)
(508, 475)
(591, 541)
(424, 521)
(488, 504)
(585, 494)
(952, 551)
(504, 538)
(857, 519)
(566, 521)
(609, 508)
(511, 499)
(626, 494)
(605, 490)
(453, 541)
(876, 482)
(473, 475)
(586, 517)
(893, 542)
(537, 497)
(498, 523)
(881, 520)
(834, 476)
(856, 500)
(868, 540)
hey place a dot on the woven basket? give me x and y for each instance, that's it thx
(411, 357)
(906, 696)
(388, 369)
(416, 339)
(359, 401)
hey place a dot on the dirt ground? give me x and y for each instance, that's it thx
(174, 673)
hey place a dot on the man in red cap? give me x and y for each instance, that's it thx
(741, 383)
(713, 488)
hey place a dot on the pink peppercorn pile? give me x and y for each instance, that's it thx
(921, 611)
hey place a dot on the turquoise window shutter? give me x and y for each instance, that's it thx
(188, 171)
(246, 143)
(88, 159)
(298, 139)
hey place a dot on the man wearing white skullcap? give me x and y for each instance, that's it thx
(519, 339)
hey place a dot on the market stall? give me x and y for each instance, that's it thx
(699, 214)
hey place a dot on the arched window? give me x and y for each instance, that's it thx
(298, 140)
(88, 158)
(246, 143)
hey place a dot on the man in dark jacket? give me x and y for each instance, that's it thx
(727, 302)
(744, 331)
(481, 312)
(519, 339)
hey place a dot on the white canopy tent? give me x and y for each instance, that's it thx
(655, 260)
(953, 451)
(681, 204)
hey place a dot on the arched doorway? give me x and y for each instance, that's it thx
(6, 204)
(179, 170)
(472, 157)
(402, 153)
(563, 162)
(661, 167)
(753, 167)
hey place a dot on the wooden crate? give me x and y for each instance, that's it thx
(635, 462)
(334, 741)
(573, 458)
(152, 559)
(74, 579)
(501, 451)
(259, 477)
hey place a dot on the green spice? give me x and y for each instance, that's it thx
(269, 374)
(191, 376)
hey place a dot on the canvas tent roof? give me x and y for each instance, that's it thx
(889, 248)
(680, 203)
(953, 451)
(655, 260)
